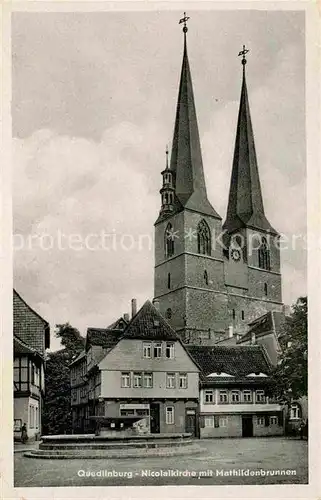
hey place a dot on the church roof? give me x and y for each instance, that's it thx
(245, 204)
(148, 323)
(236, 361)
(186, 157)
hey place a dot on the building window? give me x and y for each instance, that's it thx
(206, 277)
(169, 280)
(37, 418)
(147, 350)
(169, 241)
(170, 380)
(168, 313)
(169, 350)
(209, 421)
(17, 424)
(158, 350)
(74, 395)
(125, 379)
(223, 397)
(233, 313)
(260, 421)
(148, 380)
(209, 396)
(183, 380)
(170, 417)
(137, 379)
(260, 397)
(203, 238)
(295, 412)
(31, 417)
(247, 396)
(274, 420)
(243, 315)
(264, 255)
(265, 289)
(223, 421)
(235, 396)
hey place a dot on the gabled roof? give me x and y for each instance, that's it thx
(29, 326)
(237, 361)
(148, 323)
(268, 323)
(104, 337)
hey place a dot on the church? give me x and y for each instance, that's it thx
(197, 360)
(213, 278)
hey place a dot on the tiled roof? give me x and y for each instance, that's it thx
(29, 326)
(149, 323)
(79, 357)
(119, 324)
(271, 322)
(238, 361)
(103, 337)
(19, 347)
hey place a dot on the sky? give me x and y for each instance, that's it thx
(93, 106)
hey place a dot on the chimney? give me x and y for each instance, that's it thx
(134, 307)
(126, 317)
(253, 338)
(230, 331)
(156, 304)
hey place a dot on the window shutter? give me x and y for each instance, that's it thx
(216, 421)
(202, 421)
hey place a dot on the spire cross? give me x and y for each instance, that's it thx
(184, 20)
(243, 54)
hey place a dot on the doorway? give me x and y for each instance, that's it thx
(154, 418)
(247, 426)
(190, 422)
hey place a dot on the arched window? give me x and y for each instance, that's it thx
(169, 241)
(265, 289)
(168, 313)
(203, 238)
(243, 315)
(169, 280)
(206, 277)
(233, 313)
(264, 255)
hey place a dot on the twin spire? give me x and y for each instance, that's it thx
(245, 206)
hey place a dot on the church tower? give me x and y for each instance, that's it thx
(189, 267)
(252, 265)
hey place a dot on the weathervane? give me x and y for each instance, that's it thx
(184, 20)
(243, 54)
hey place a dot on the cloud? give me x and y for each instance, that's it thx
(93, 124)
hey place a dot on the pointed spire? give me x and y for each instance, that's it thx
(245, 205)
(186, 156)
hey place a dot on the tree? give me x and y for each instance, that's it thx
(291, 373)
(57, 401)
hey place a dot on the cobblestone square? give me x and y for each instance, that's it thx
(223, 462)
